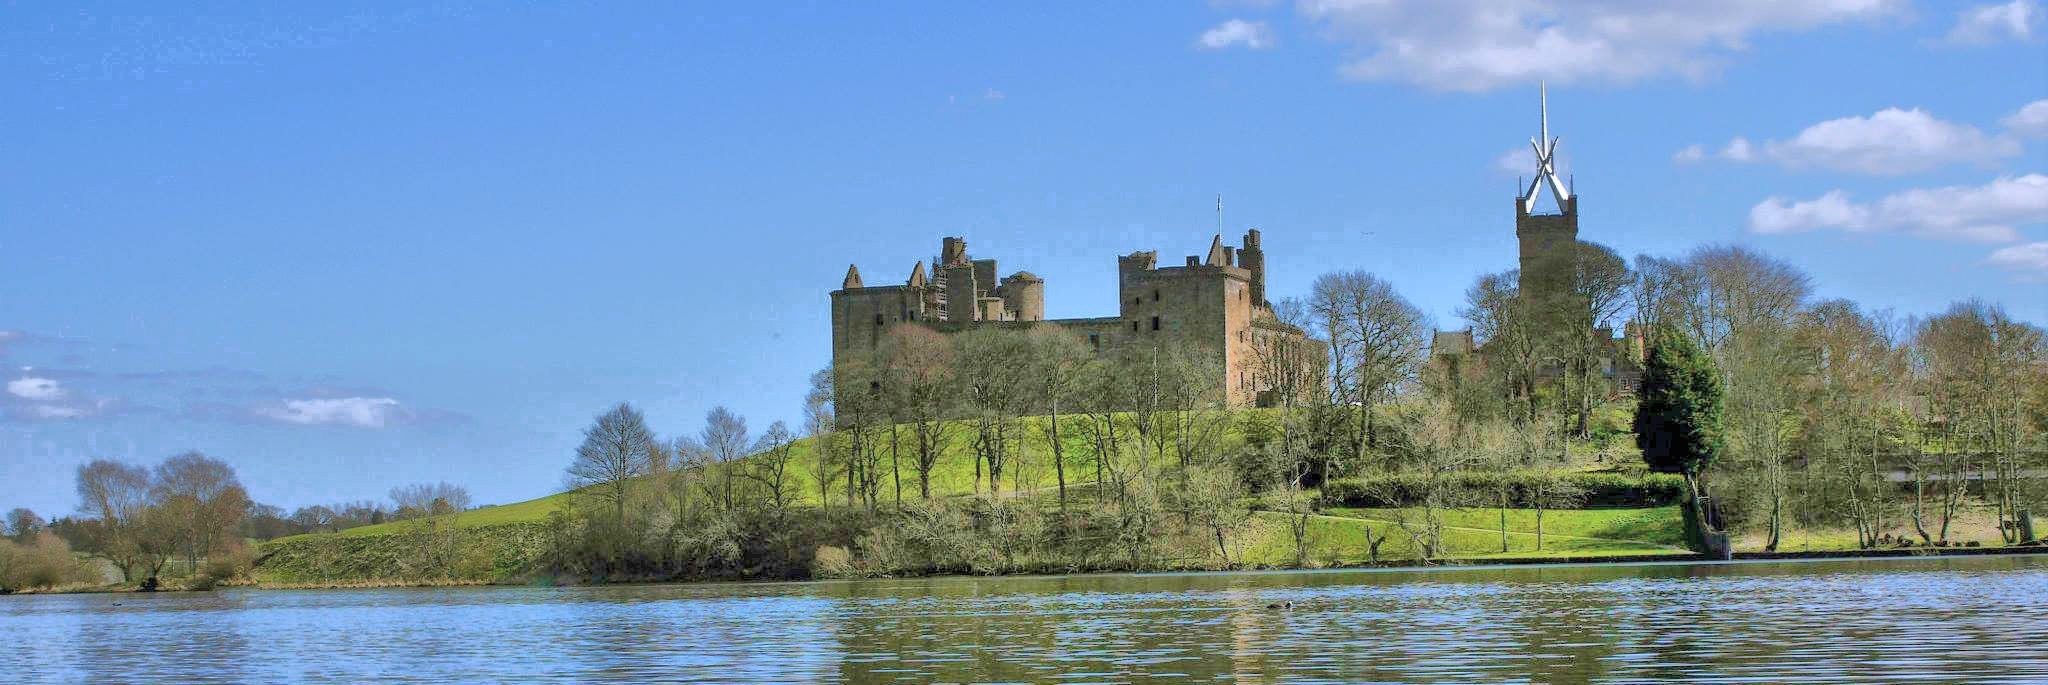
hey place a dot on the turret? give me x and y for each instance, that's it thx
(852, 278)
(1253, 259)
(1024, 296)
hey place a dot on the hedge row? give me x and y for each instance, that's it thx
(493, 553)
(1480, 488)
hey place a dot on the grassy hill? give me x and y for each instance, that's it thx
(954, 475)
(494, 544)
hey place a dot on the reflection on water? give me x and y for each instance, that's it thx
(1944, 620)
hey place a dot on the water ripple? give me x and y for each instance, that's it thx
(1912, 620)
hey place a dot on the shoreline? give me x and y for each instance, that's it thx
(1442, 564)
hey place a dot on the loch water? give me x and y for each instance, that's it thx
(1966, 619)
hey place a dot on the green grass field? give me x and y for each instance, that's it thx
(1339, 535)
(1030, 469)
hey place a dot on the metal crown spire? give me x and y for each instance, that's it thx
(1546, 157)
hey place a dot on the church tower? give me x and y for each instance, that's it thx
(1543, 236)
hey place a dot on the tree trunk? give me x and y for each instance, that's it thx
(1059, 466)
(895, 466)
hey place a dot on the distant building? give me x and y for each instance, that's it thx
(1540, 238)
(1214, 304)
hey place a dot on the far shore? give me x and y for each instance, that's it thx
(1440, 564)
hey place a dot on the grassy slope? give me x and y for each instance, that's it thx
(1340, 535)
(954, 474)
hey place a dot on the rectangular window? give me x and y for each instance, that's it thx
(1155, 296)
(1134, 326)
(1155, 323)
(878, 318)
(1095, 341)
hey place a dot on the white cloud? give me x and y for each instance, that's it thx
(1984, 214)
(57, 411)
(1833, 210)
(2031, 121)
(361, 412)
(992, 94)
(2030, 257)
(1251, 34)
(1691, 153)
(1892, 141)
(1477, 45)
(40, 398)
(1738, 150)
(1993, 23)
(35, 389)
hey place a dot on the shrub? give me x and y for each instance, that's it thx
(833, 562)
(1601, 489)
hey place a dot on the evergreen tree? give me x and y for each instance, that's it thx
(1678, 411)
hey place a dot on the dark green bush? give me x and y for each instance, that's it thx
(1596, 489)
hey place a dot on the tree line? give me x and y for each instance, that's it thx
(187, 517)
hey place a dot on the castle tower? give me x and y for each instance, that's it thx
(1544, 236)
(1253, 259)
(956, 276)
(1024, 296)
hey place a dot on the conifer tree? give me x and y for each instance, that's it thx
(1678, 410)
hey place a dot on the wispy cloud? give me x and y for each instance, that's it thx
(2030, 122)
(2030, 259)
(1890, 142)
(360, 412)
(1478, 45)
(34, 388)
(1994, 23)
(44, 398)
(1255, 35)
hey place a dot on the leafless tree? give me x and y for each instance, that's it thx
(129, 532)
(1378, 339)
(919, 382)
(725, 441)
(1060, 364)
(990, 374)
(823, 468)
(430, 499)
(770, 468)
(617, 449)
(23, 524)
(204, 500)
(1504, 325)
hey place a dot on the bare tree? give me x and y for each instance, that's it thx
(429, 499)
(1505, 326)
(617, 449)
(23, 524)
(207, 502)
(1598, 283)
(725, 440)
(919, 381)
(117, 497)
(1382, 341)
(818, 423)
(989, 371)
(770, 466)
(1061, 363)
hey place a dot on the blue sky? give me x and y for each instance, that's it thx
(346, 246)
